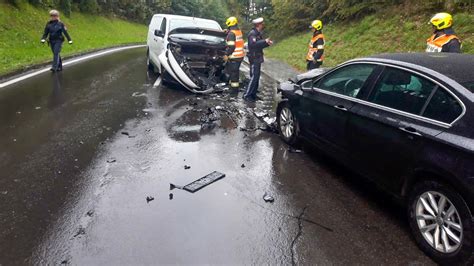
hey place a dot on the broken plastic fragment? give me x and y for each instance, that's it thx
(201, 182)
(111, 160)
(186, 167)
(149, 198)
(173, 186)
(293, 150)
(268, 198)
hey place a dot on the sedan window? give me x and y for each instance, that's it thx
(347, 80)
(443, 107)
(402, 90)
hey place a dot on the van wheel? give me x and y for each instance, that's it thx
(441, 223)
(149, 64)
(287, 124)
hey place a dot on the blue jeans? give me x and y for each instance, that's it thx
(252, 88)
(56, 49)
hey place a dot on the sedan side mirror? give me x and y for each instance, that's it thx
(159, 33)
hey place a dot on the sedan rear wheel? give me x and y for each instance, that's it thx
(441, 222)
(287, 125)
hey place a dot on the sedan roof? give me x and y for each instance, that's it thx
(459, 67)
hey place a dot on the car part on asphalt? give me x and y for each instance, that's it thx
(268, 198)
(149, 198)
(203, 181)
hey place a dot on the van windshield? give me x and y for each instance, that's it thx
(195, 23)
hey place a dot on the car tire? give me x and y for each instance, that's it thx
(287, 124)
(447, 235)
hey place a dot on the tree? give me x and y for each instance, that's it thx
(66, 7)
(89, 6)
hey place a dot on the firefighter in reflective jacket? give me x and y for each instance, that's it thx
(315, 56)
(235, 51)
(444, 38)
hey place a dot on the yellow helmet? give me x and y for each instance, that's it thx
(442, 21)
(232, 21)
(317, 24)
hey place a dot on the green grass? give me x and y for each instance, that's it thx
(371, 35)
(21, 30)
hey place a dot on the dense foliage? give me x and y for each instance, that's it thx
(284, 16)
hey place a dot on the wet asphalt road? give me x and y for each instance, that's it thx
(82, 150)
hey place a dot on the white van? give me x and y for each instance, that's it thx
(187, 49)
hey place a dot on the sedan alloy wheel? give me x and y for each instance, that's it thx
(439, 222)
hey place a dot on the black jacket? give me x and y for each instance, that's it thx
(55, 29)
(256, 44)
(454, 46)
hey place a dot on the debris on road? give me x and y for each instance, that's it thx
(37, 107)
(268, 198)
(186, 167)
(173, 186)
(127, 134)
(171, 196)
(293, 150)
(90, 213)
(243, 166)
(81, 231)
(201, 182)
(111, 160)
(149, 198)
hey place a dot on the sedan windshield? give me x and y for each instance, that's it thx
(195, 23)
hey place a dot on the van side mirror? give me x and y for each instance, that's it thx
(159, 33)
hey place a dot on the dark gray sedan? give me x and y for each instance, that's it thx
(405, 121)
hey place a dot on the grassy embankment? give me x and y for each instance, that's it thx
(371, 35)
(21, 30)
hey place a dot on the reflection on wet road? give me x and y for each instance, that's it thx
(78, 170)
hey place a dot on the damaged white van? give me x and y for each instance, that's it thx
(187, 50)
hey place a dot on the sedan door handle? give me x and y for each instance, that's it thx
(410, 131)
(340, 107)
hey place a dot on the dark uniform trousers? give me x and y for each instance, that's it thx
(313, 65)
(233, 69)
(255, 70)
(56, 49)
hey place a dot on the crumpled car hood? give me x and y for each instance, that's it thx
(202, 31)
(311, 74)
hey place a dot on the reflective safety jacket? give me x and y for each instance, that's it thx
(316, 48)
(237, 40)
(436, 43)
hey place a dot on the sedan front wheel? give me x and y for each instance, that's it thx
(287, 125)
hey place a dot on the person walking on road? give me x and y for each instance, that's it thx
(256, 44)
(315, 55)
(55, 29)
(444, 39)
(235, 51)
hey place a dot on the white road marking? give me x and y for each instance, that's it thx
(69, 62)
